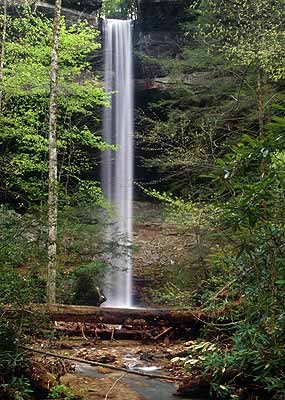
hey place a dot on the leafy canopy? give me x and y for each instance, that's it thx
(24, 118)
(248, 32)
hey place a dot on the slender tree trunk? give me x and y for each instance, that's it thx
(53, 184)
(260, 104)
(3, 43)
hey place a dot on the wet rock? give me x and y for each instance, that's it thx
(45, 373)
(106, 359)
(103, 370)
(147, 356)
(67, 379)
(47, 380)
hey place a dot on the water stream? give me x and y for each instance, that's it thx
(148, 389)
(117, 166)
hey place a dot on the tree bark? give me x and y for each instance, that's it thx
(126, 316)
(52, 193)
(3, 44)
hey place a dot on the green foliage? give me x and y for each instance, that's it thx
(119, 8)
(80, 244)
(199, 220)
(10, 358)
(253, 215)
(18, 291)
(21, 238)
(25, 110)
(189, 213)
(210, 96)
(248, 33)
(86, 279)
(175, 147)
(20, 285)
(197, 353)
(245, 271)
(62, 392)
(19, 388)
(23, 252)
(194, 122)
(251, 179)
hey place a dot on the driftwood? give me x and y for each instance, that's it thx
(163, 333)
(98, 364)
(136, 317)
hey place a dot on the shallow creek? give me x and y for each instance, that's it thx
(100, 382)
(146, 388)
(117, 385)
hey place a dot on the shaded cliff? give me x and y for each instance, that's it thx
(158, 34)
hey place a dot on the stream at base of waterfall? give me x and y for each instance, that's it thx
(117, 166)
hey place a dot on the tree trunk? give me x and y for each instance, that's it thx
(3, 44)
(52, 193)
(138, 318)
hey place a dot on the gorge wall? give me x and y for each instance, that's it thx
(158, 35)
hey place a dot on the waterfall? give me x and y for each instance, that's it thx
(117, 166)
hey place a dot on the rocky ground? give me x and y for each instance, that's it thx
(97, 383)
(158, 244)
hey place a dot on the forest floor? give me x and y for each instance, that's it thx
(97, 383)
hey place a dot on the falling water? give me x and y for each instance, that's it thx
(117, 166)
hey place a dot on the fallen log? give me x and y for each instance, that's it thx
(136, 317)
(106, 332)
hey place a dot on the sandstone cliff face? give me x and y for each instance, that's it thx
(157, 34)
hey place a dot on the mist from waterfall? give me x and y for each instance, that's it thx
(117, 166)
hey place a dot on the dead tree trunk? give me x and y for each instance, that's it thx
(52, 193)
(138, 318)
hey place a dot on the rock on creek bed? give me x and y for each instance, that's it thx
(97, 383)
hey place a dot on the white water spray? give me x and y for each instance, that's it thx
(117, 166)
